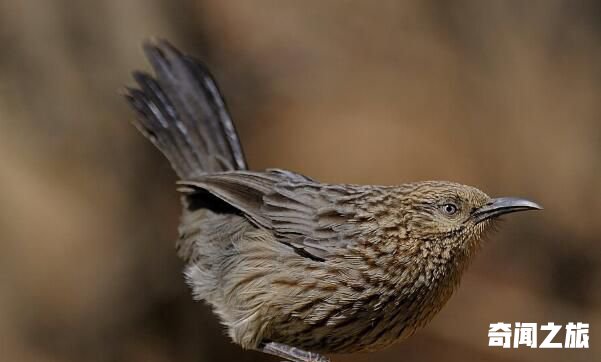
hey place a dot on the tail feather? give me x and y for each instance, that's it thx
(184, 115)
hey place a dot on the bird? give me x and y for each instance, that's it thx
(293, 267)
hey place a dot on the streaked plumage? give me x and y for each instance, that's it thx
(290, 264)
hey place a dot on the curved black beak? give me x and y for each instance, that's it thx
(503, 205)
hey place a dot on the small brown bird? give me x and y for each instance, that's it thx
(294, 267)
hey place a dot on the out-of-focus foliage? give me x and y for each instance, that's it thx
(499, 94)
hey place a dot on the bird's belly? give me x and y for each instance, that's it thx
(340, 329)
(272, 294)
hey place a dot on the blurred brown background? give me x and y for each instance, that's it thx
(498, 94)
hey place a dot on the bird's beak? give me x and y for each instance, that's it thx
(503, 205)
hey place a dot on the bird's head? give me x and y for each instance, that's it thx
(451, 217)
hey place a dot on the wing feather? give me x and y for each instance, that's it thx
(308, 216)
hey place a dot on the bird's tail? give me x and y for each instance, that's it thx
(181, 111)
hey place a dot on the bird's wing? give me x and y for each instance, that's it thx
(311, 217)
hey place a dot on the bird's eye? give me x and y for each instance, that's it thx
(449, 209)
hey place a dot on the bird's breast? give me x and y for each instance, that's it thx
(348, 307)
